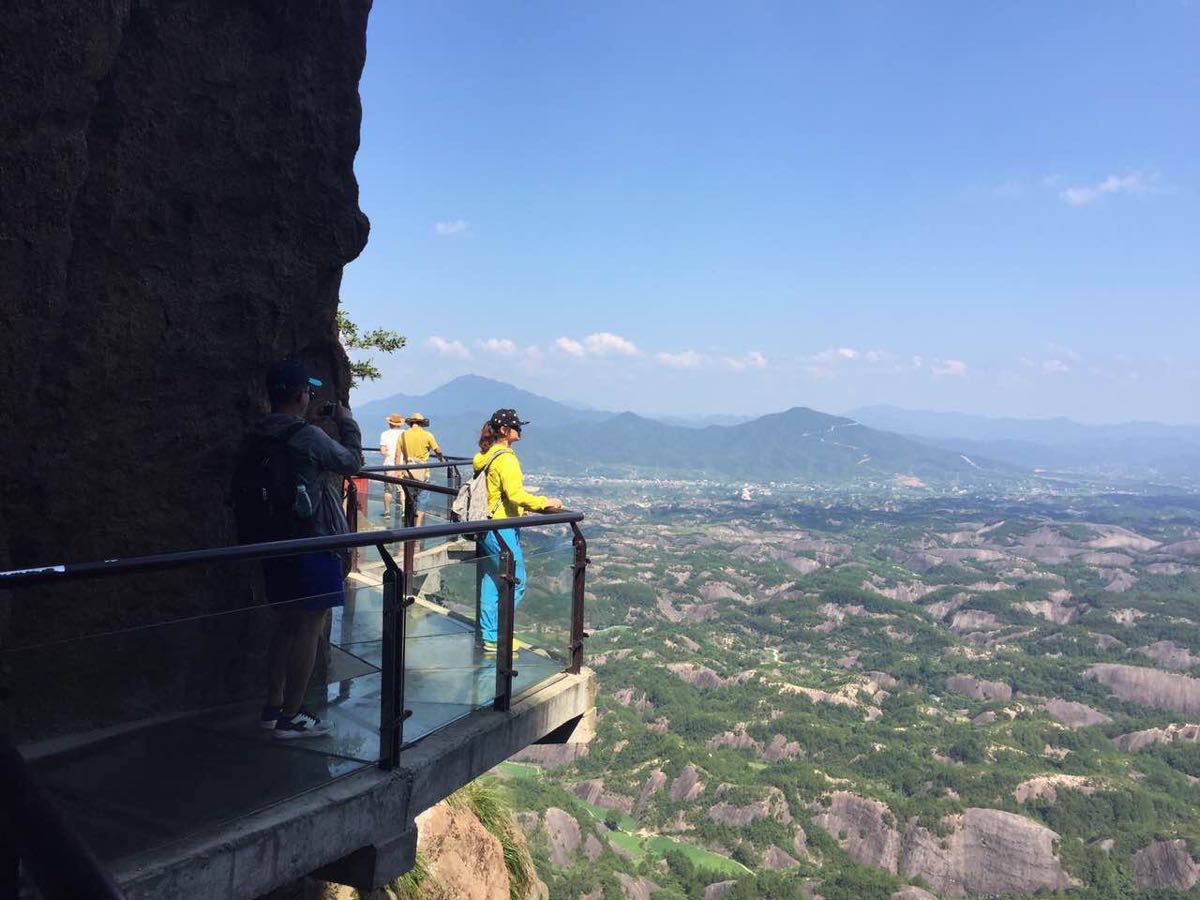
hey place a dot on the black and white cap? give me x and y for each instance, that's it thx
(506, 418)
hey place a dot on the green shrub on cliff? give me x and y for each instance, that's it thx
(487, 800)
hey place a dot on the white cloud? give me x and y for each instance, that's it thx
(687, 359)
(600, 343)
(749, 360)
(452, 228)
(827, 363)
(499, 347)
(570, 347)
(1047, 366)
(1085, 195)
(1059, 351)
(605, 343)
(952, 367)
(534, 354)
(448, 349)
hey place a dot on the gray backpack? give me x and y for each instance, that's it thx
(471, 502)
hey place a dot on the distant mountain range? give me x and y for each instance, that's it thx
(1133, 448)
(798, 444)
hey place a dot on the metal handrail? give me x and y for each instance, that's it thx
(414, 483)
(58, 572)
(32, 830)
(446, 463)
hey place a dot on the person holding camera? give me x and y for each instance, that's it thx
(305, 586)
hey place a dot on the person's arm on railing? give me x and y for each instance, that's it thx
(512, 486)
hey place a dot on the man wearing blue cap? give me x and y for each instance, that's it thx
(306, 585)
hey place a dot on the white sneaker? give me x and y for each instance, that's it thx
(303, 724)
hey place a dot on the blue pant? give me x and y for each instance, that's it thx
(307, 581)
(489, 591)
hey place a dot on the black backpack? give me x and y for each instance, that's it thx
(264, 490)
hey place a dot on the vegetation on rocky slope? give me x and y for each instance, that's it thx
(804, 695)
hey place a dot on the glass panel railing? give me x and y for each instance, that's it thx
(150, 732)
(447, 673)
(542, 624)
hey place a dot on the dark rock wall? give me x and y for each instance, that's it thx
(177, 201)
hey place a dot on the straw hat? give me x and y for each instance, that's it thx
(417, 419)
(395, 420)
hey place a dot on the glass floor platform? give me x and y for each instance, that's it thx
(156, 783)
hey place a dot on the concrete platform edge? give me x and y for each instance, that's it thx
(370, 808)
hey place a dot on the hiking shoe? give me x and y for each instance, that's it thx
(270, 715)
(301, 725)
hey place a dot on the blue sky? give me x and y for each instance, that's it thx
(706, 207)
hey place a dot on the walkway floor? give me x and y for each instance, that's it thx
(154, 784)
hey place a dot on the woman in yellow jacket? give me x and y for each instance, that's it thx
(507, 498)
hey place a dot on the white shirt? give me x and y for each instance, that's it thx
(387, 443)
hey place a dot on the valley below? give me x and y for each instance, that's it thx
(808, 693)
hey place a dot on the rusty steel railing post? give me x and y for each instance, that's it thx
(410, 521)
(480, 566)
(504, 631)
(391, 700)
(578, 587)
(351, 493)
(352, 517)
(454, 482)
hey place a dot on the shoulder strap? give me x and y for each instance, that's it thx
(484, 470)
(292, 430)
(284, 437)
(487, 465)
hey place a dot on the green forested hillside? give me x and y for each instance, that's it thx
(849, 697)
(799, 444)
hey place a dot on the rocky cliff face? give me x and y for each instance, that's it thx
(862, 827)
(177, 201)
(1165, 865)
(465, 861)
(1135, 741)
(981, 852)
(1149, 687)
(987, 852)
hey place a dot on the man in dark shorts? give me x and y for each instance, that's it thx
(304, 587)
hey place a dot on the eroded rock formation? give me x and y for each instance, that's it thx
(979, 688)
(863, 829)
(687, 786)
(1149, 687)
(1073, 714)
(592, 791)
(562, 831)
(987, 852)
(654, 783)
(1170, 655)
(982, 851)
(465, 860)
(1046, 787)
(772, 805)
(1136, 741)
(1166, 865)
